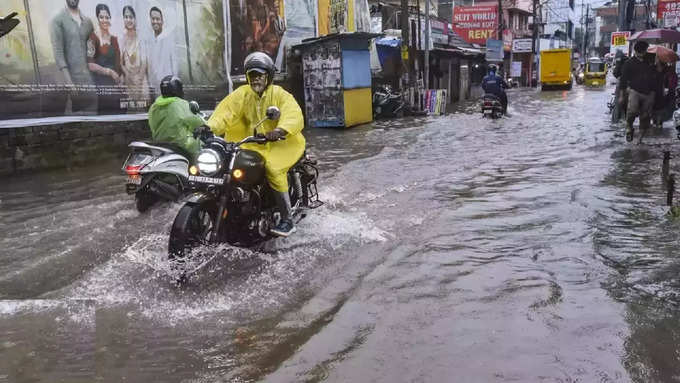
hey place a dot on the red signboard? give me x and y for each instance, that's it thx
(476, 23)
(668, 12)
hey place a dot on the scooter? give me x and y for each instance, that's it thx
(387, 103)
(157, 171)
(491, 106)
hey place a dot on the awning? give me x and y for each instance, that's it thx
(657, 36)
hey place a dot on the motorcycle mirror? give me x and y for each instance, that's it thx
(273, 113)
(193, 106)
(8, 23)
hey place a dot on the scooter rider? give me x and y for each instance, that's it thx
(494, 84)
(237, 114)
(171, 119)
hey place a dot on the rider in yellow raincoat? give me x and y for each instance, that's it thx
(236, 116)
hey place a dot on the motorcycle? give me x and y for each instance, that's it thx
(387, 103)
(492, 106)
(231, 200)
(157, 171)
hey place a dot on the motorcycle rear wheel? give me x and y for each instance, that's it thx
(193, 227)
(144, 200)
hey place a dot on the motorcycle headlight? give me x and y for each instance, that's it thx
(209, 162)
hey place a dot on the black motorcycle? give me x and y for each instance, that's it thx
(492, 106)
(387, 103)
(231, 200)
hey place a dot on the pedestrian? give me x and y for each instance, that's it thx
(664, 102)
(638, 77)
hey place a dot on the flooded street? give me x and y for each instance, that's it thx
(534, 248)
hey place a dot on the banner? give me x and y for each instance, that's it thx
(339, 16)
(668, 12)
(494, 50)
(476, 24)
(108, 57)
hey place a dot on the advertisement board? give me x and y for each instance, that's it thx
(521, 45)
(619, 40)
(92, 57)
(668, 13)
(494, 50)
(477, 23)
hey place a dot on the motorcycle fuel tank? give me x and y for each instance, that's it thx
(248, 167)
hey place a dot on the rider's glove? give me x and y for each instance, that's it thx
(202, 131)
(276, 134)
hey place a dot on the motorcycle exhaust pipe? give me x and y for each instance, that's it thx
(164, 190)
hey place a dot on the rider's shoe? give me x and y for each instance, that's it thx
(284, 228)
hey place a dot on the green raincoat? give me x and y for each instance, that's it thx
(171, 120)
(236, 116)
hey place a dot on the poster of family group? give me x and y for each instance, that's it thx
(95, 57)
(108, 57)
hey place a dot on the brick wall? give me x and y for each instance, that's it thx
(71, 144)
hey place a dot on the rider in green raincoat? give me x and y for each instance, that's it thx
(171, 119)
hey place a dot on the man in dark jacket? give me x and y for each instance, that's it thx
(638, 77)
(494, 84)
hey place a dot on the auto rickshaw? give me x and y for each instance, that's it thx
(595, 73)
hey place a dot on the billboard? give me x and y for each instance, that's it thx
(668, 12)
(521, 45)
(477, 23)
(87, 57)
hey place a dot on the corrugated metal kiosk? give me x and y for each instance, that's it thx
(337, 79)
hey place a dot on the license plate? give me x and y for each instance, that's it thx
(135, 180)
(488, 111)
(206, 180)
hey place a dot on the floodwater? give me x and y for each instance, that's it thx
(535, 248)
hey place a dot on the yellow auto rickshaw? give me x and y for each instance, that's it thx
(595, 73)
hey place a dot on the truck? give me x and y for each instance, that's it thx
(556, 69)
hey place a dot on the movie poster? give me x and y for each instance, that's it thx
(108, 56)
(256, 25)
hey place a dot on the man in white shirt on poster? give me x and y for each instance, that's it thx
(161, 51)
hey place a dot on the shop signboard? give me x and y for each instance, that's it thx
(494, 50)
(619, 40)
(668, 12)
(477, 23)
(521, 45)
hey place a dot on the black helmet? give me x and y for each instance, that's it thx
(493, 68)
(260, 62)
(171, 86)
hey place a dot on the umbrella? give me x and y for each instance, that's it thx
(657, 36)
(664, 54)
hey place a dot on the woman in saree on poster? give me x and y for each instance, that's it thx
(133, 62)
(103, 57)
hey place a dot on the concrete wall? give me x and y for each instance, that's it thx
(34, 148)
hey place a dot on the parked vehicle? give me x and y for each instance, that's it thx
(556, 69)
(231, 200)
(491, 106)
(387, 103)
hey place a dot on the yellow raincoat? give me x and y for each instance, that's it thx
(236, 116)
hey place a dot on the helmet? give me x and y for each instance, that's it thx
(493, 68)
(260, 62)
(171, 86)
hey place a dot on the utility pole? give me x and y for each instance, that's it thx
(534, 35)
(405, 27)
(585, 32)
(427, 44)
(583, 46)
(500, 20)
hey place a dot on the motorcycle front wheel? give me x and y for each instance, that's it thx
(193, 227)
